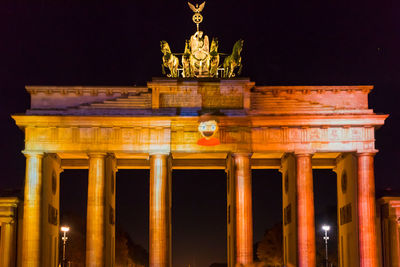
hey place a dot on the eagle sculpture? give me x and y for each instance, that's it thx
(197, 8)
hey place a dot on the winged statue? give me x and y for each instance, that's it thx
(197, 8)
(199, 58)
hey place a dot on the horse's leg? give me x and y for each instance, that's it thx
(228, 71)
(225, 65)
(175, 66)
(240, 69)
(171, 69)
(162, 69)
(231, 68)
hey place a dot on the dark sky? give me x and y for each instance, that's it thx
(117, 43)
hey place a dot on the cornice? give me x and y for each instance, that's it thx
(320, 89)
(372, 120)
(80, 90)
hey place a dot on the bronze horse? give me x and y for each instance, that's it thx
(169, 60)
(233, 61)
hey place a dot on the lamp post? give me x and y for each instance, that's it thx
(326, 228)
(64, 238)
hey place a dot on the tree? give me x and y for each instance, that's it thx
(127, 253)
(269, 250)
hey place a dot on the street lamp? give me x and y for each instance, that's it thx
(326, 228)
(64, 238)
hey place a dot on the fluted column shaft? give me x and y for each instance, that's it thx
(158, 221)
(366, 211)
(95, 228)
(305, 211)
(32, 206)
(244, 218)
(394, 241)
(7, 245)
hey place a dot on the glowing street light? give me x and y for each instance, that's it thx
(326, 228)
(64, 238)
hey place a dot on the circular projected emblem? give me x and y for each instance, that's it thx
(197, 18)
(344, 182)
(208, 129)
(54, 183)
(286, 182)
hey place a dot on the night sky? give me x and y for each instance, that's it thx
(117, 43)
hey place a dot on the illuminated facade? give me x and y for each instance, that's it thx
(389, 214)
(9, 228)
(242, 126)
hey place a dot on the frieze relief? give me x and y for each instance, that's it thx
(86, 138)
(208, 97)
(184, 135)
(219, 101)
(180, 100)
(361, 138)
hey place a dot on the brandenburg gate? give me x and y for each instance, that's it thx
(161, 127)
(201, 117)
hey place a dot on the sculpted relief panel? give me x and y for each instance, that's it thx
(182, 134)
(318, 138)
(180, 100)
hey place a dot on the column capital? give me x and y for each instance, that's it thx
(242, 154)
(304, 153)
(30, 153)
(97, 154)
(161, 153)
(367, 153)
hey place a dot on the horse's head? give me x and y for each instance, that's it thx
(238, 46)
(165, 47)
(214, 45)
(187, 47)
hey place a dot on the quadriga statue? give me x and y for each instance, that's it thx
(214, 58)
(233, 61)
(169, 60)
(199, 59)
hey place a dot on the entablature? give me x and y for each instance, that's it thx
(196, 163)
(8, 209)
(180, 134)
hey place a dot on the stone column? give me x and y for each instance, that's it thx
(366, 211)
(95, 229)
(305, 211)
(32, 205)
(7, 246)
(244, 219)
(159, 242)
(394, 241)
